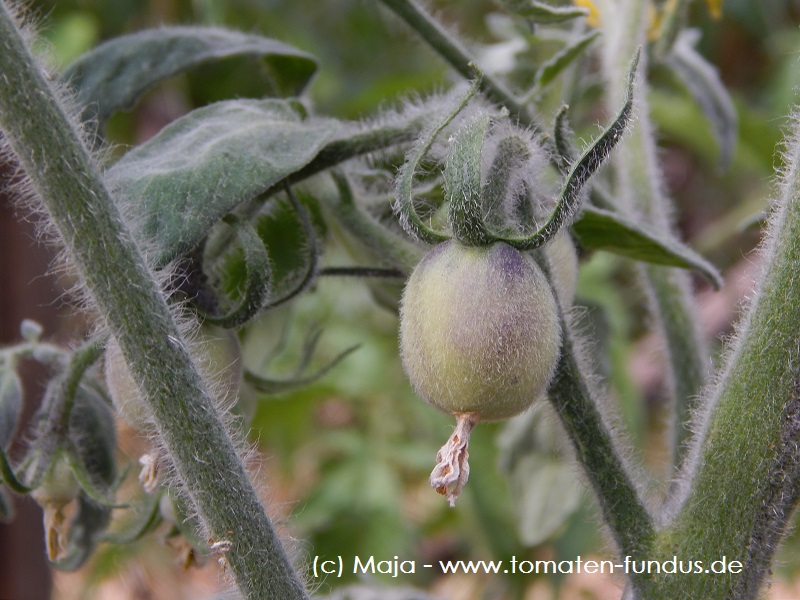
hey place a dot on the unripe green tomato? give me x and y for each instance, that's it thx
(479, 330)
(563, 259)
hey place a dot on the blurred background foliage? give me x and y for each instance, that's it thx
(346, 459)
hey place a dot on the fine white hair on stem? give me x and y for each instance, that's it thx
(764, 256)
(173, 323)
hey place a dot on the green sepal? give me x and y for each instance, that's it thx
(257, 276)
(599, 229)
(584, 167)
(9, 477)
(563, 141)
(114, 75)
(704, 84)
(179, 183)
(462, 182)
(290, 231)
(63, 393)
(405, 209)
(511, 155)
(540, 12)
(10, 401)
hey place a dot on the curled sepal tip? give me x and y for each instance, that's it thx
(584, 167)
(451, 472)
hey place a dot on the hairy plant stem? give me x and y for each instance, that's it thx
(186, 420)
(577, 406)
(640, 190)
(738, 500)
(451, 50)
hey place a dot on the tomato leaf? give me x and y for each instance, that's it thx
(114, 75)
(181, 182)
(599, 229)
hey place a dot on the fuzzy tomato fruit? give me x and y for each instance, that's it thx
(479, 330)
(479, 339)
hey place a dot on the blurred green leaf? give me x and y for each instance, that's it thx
(599, 229)
(563, 59)
(115, 74)
(546, 494)
(540, 12)
(544, 487)
(358, 499)
(703, 82)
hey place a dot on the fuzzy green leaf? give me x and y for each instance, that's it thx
(599, 229)
(703, 83)
(540, 12)
(10, 403)
(115, 74)
(562, 59)
(181, 182)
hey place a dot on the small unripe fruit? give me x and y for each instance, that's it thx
(479, 330)
(479, 339)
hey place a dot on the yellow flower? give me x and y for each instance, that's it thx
(715, 8)
(593, 20)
